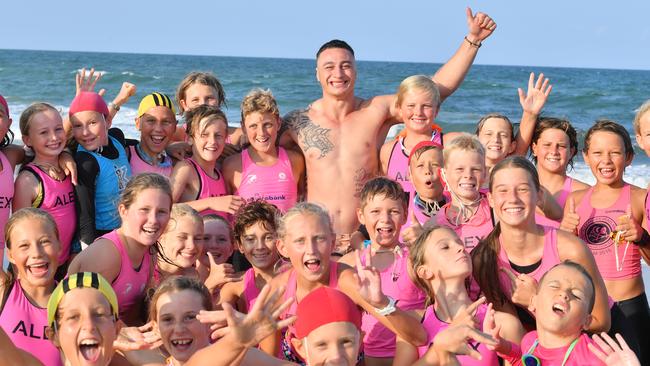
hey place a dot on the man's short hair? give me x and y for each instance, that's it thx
(335, 43)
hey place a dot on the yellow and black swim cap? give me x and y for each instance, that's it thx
(80, 280)
(155, 100)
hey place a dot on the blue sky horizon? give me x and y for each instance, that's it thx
(579, 34)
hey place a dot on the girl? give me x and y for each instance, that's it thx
(306, 238)
(555, 143)
(103, 164)
(518, 251)
(608, 217)
(255, 230)
(33, 250)
(440, 266)
(127, 262)
(383, 212)
(264, 170)
(197, 181)
(7, 164)
(38, 184)
(173, 310)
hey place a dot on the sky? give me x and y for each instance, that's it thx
(567, 33)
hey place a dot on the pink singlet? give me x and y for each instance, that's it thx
(6, 194)
(210, 187)
(398, 162)
(378, 340)
(274, 184)
(25, 324)
(647, 208)
(433, 325)
(563, 194)
(58, 200)
(615, 262)
(138, 165)
(250, 293)
(130, 283)
(579, 356)
(477, 228)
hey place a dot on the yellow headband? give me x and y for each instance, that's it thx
(80, 280)
(155, 100)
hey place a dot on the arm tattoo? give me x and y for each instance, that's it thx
(311, 135)
(361, 176)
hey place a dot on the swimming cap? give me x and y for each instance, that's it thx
(155, 100)
(421, 145)
(323, 306)
(80, 280)
(4, 104)
(88, 101)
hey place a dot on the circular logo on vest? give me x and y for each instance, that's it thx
(282, 176)
(595, 232)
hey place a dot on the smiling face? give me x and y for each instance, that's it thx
(336, 72)
(425, 174)
(258, 244)
(208, 142)
(181, 333)
(262, 130)
(643, 136)
(46, 134)
(89, 129)
(332, 344)
(308, 244)
(444, 257)
(146, 218)
(199, 94)
(513, 196)
(157, 127)
(183, 244)
(465, 173)
(217, 240)
(496, 137)
(86, 328)
(553, 151)
(383, 218)
(418, 111)
(34, 252)
(561, 304)
(607, 157)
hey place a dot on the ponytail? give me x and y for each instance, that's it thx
(486, 268)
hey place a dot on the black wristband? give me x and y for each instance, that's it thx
(645, 239)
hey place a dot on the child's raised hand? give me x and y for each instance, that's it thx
(126, 92)
(466, 315)
(628, 227)
(220, 274)
(411, 233)
(138, 338)
(611, 353)
(369, 283)
(533, 101)
(490, 327)
(88, 83)
(570, 220)
(229, 203)
(454, 339)
(179, 150)
(217, 321)
(524, 287)
(66, 161)
(480, 25)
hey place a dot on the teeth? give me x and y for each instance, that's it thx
(149, 231)
(181, 342)
(89, 342)
(516, 209)
(494, 148)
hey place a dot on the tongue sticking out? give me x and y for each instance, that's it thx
(89, 352)
(39, 270)
(312, 265)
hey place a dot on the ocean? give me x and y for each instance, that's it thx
(581, 95)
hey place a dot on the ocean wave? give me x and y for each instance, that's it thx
(100, 72)
(130, 73)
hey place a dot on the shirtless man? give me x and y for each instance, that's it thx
(339, 134)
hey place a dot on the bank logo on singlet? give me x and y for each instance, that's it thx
(596, 232)
(282, 177)
(122, 178)
(251, 179)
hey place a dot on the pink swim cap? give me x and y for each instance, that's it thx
(4, 104)
(88, 101)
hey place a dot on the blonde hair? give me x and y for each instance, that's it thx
(203, 78)
(303, 209)
(421, 83)
(28, 114)
(199, 118)
(178, 284)
(464, 142)
(643, 109)
(258, 100)
(180, 210)
(141, 182)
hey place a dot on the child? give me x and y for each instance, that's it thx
(197, 181)
(440, 266)
(518, 251)
(126, 259)
(33, 250)
(41, 183)
(6, 170)
(608, 217)
(103, 165)
(156, 121)
(383, 212)
(255, 232)
(642, 133)
(264, 170)
(555, 143)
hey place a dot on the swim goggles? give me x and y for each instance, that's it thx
(529, 359)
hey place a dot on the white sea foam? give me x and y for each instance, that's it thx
(130, 73)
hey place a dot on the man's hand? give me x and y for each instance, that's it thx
(480, 26)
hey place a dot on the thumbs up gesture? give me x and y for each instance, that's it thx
(571, 220)
(411, 233)
(628, 227)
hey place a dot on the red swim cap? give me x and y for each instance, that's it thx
(323, 306)
(88, 101)
(4, 104)
(420, 145)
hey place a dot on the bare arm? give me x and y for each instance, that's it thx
(11, 355)
(25, 190)
(531, 104)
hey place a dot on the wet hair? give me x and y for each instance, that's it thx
(642, 110)
(335, 43)
(198, 119)
(547, 123)
(607, 125)
(260, 101)
(204, 78)
(304, 208)
(28, 114)
(141, 182)
(583, 271)
(418, 83)
(464, 142)
(215, 217)
(481, 122)
(177, 284)
(253, 212)
(484, 256)
(422, 149)
(180, 210)
(382, 186)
